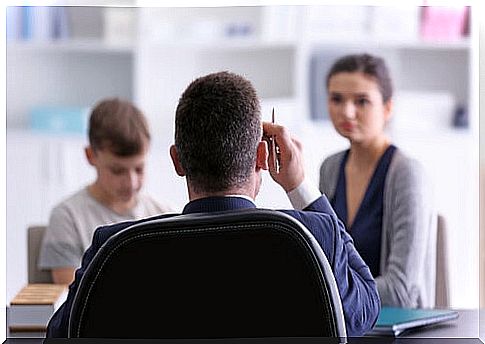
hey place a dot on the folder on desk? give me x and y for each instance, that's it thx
(393, 321)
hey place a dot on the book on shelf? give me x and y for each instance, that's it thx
(13, 22)
(444, 23)
(31, 309)
(37, 23)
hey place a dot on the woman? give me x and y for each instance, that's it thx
(377, 191)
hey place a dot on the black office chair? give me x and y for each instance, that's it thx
(250, 273)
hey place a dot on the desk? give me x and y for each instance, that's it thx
(465, 329)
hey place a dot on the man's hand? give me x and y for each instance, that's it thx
(291, 172)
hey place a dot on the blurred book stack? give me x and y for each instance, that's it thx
(442, 23)
(430, 23)
(37, 23)
(114, 25)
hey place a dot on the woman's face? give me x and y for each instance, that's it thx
(356, 107)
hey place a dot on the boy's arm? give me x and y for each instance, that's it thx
(63, 275)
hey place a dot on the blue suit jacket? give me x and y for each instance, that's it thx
(358, 291)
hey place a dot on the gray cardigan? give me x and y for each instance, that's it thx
(408, 256)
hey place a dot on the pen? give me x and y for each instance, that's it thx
(276, 162)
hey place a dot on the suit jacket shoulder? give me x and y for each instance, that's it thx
(357, 288)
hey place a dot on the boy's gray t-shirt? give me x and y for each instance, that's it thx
(72, 224)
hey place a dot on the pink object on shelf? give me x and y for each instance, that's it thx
(443, 23)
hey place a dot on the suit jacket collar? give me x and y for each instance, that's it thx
(219, 203)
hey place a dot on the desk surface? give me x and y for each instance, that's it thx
(466, 329)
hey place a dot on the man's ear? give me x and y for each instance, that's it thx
(176, 162)
(262, 155)
(90, 155)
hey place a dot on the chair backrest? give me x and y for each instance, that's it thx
(251, 273)
(34, 241)
(442, 295)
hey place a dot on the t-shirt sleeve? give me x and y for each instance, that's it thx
(155, 207)
(410, 239)
(61, 246)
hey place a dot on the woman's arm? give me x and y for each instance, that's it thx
(410, 224)
(329, 172)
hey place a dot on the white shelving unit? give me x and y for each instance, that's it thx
(274, 48)
(64, 74)
(94, 46)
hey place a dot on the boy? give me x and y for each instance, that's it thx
(118, 143)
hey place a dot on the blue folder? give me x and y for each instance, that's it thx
(59, 119)
(393, 321)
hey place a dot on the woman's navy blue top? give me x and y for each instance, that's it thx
(366, 230)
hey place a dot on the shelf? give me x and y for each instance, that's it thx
(228, 44)
(392, 43)
(64, 46)
(17, 133)
(432, 45)
(225, 44)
